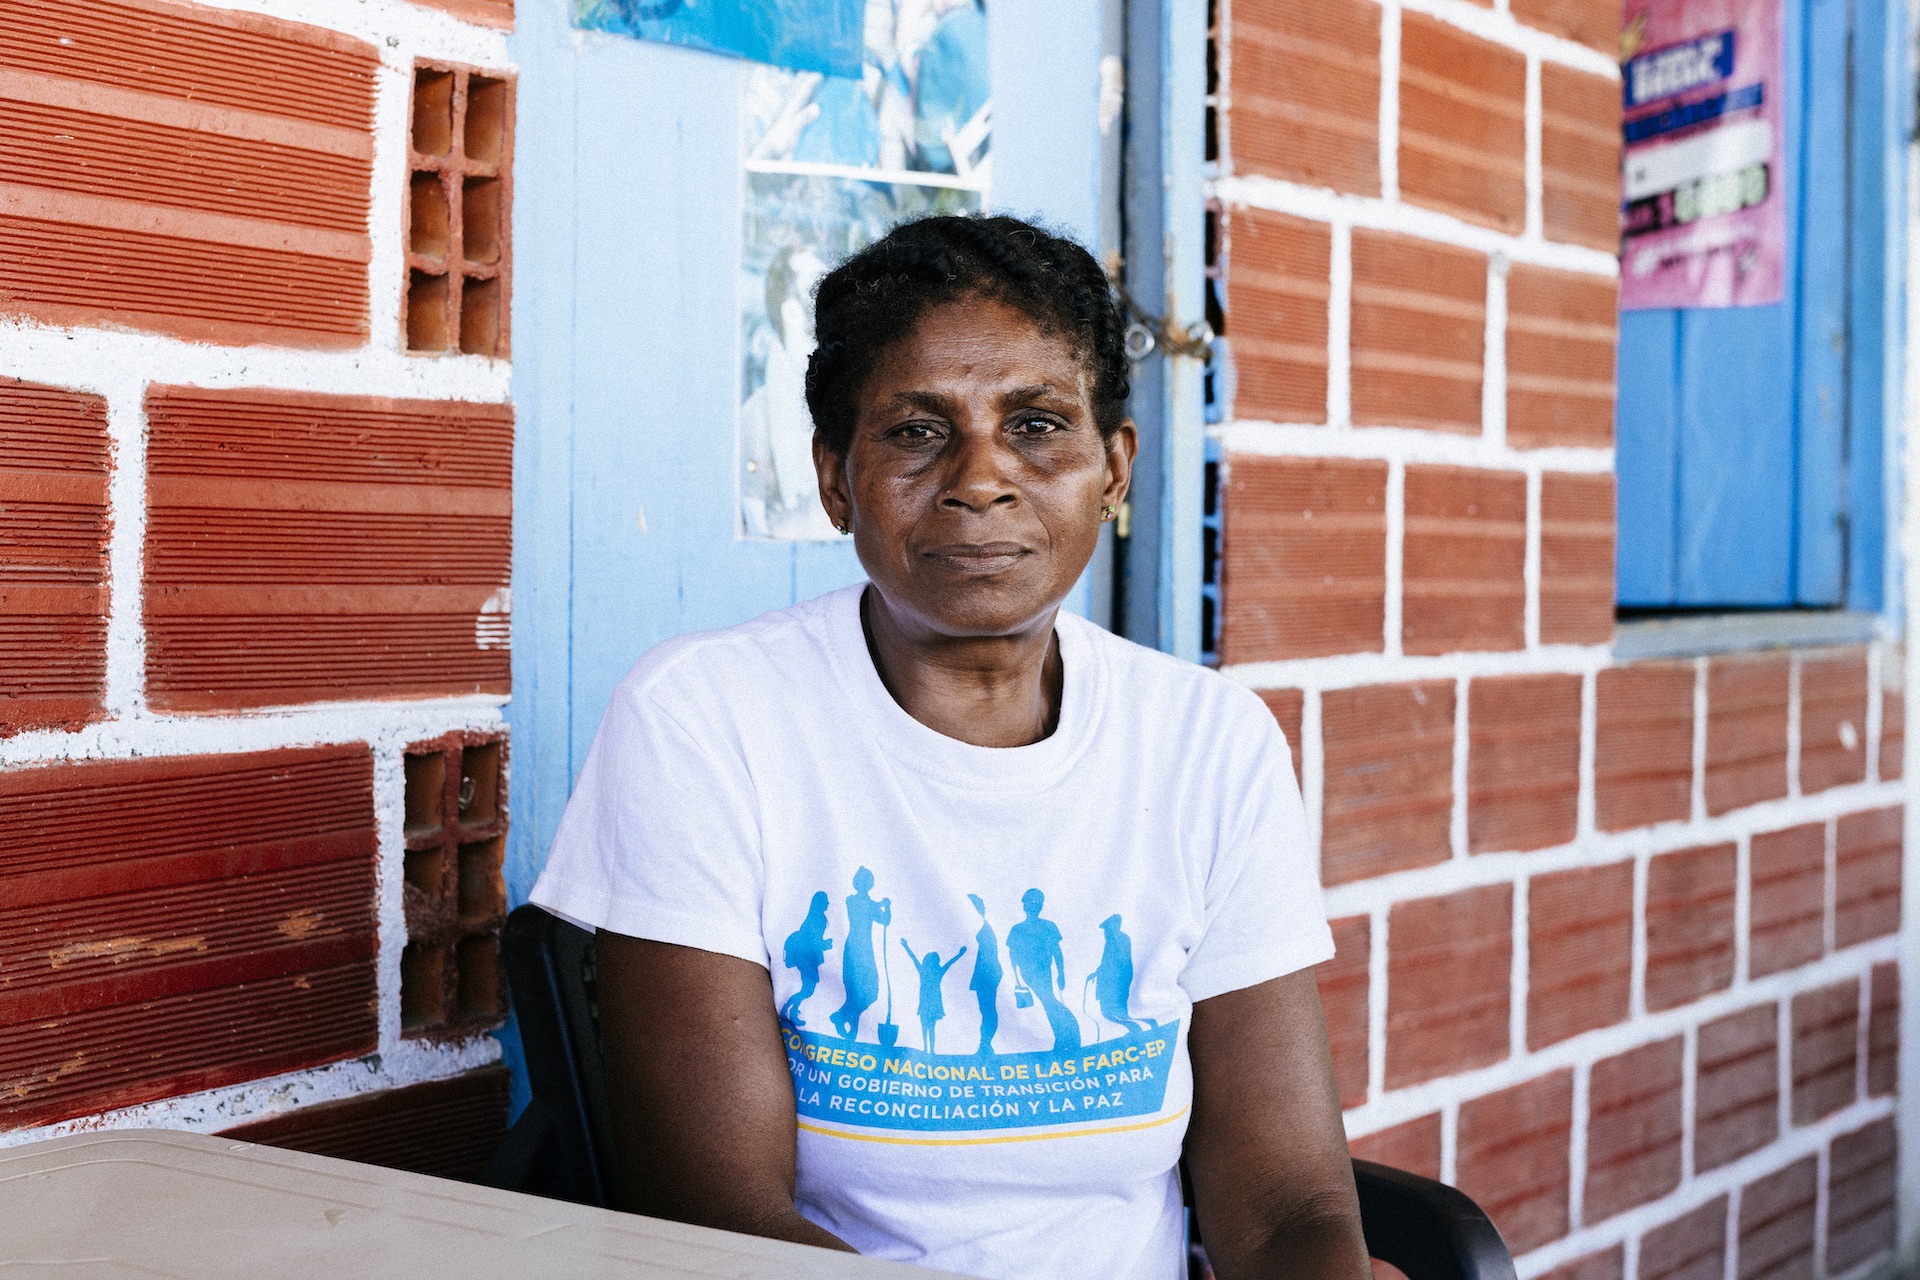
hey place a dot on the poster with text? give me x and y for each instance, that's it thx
(1703, 220)
(821, 36)
(833, 162)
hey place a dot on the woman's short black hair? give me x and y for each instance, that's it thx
(875, 298)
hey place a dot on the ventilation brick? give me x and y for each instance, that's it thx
(455, 893)
(459, 205)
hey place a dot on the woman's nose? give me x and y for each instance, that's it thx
(980, 474)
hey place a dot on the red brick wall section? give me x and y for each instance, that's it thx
(1594, 23)
(217, 927)
(1513, 1158)
(1788, 895)
(1737, 1089)
(1305, 551)
(1833, 720)
(1643, 748)
(444, 1128)
(1413, 1146)
(1746, 731)
(1448, 962)
(1462, 124)
(1389, 779)
(1690, 924)
(1576, 558)
(1580, 157)
(1305, 83)
(185, 170)
(1579, 951)
(1523, 761)
(1343, 997)
(1691, 1247)
(490, 13)
(1777, 1223)
(1418, 333)
(1825, 1035)
(1608, 1265)
(1277, 272)
(53, 556)
(1883, 1031)
(1860, 1197)
(1287, 705)
(1560, 352)
(1634, 1127)
(1465, 552)
(1867, 852)
(309, 548)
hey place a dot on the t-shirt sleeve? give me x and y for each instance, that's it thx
(661, 839)
(1262, 908)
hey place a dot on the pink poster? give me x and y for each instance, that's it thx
(1702, 203)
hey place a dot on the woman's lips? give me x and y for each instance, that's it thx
(977, 557)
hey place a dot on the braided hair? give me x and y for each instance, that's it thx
(876, 298)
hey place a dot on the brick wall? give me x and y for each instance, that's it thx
(253, 560)
(1617, 942)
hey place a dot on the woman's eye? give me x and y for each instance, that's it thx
(1037, 426)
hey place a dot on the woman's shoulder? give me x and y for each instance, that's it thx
(781, 649)
(1158, 682)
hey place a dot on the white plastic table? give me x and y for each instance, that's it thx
(149, 1202)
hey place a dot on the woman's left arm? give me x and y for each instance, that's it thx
(1272, 1180)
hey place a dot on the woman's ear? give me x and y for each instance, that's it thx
(1121, 447)
(830, 469)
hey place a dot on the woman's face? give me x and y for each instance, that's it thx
(975, 478)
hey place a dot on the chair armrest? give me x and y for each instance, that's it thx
(1426, 1228)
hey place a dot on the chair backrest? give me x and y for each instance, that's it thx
(562, 1146)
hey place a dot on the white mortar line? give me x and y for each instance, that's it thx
(1587, 820)
(1698, 803)
(1637, 957)
(1793, 723)
(1500, 27)
(389, 25)
(390, 818)
(1783, 1067)
(1629, 1258)
(1339, 327)
(1352, 669)
(1742, 909)
(1521, 954)
(126, 656)
(1450, 1142)
(1730, 1250)
(1406, 444)
(1530, 566)
(1822, 1171)
(1493, 375)
(1311, 754)
(1689, 1096)
(1692, 1194)
(1393, 615)
(1536, 169)
(1377, 1006)
(1577, 1145)
(1481, 869)
(1872, 728)
(1862, 1041)
(1322, 204)
(1462, 747)
(1390, 101)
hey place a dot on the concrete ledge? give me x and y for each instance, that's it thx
(1694, 635)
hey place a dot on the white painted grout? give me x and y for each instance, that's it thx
(1689, 1097)
(1450, 1141)
(1535, 169)
(1377, 1003)
(1310, 753)
(1521, 952)
(1701, 710)
(1390, 100)
(1794, 665)
(1530, 565)
(1493, 375)
(1637, 957)
(1577, 1137)
(1586, 821)
(1742, 909)
(1501, 27)
(1404, 444)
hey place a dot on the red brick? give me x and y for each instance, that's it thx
(1512, 1158)
(1860, 1196)
(1343, 996)
(1746, 731)
(444, 1128)
(1893, 734)
(1737, 1092)
(1278, 273)
(1304, 558)
(1464, 557)
(1304, 84)
(1418, 332)
(1691, 1247)
(235, 158)
(1789, 898)
(1826, 1023)
(1388, 788)
(488, 13)
(179, 923)
(1883, 1031)
(1560, 342)
(1286, 705)
(1580, 157)
(1776, 1224)
(1633, 1129)
(1833, 720)
(1449, 963)
(53, 554)
(1523, 761)
(1579, 951)
(1462, 124)
(308, 548)
(1690, 943)
(1643, 745)
(1594, 23)
(1867, 854)
(1413, 1146)
(1576, 559)
(459, 202)
(1610, 1264)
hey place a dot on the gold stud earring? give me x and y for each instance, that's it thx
(1108, 513)
(844, 531)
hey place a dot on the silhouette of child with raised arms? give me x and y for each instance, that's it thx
(933, 1006)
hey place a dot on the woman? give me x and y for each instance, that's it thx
(944, 728)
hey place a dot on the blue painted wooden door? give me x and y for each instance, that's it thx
(1749, 439)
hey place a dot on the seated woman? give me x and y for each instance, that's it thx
(949, 758)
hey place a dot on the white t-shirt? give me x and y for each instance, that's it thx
(986, 959)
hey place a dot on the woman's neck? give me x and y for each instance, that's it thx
(991, 691)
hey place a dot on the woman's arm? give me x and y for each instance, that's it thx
(1272, 1181)
(697, 1081)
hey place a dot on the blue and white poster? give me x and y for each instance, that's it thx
(820, 36)
(831, 162)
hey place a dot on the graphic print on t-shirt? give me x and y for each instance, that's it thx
(884, 1084)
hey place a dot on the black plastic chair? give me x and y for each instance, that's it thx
(562, 1145)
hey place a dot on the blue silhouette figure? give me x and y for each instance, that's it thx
(1113, 980)
(985, 983)
(1034, 945)
(859, 972)
(933, 1005)
(806, 951)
